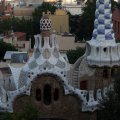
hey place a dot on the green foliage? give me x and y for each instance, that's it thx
(37, 14)
(82, 25)
(76, 27)
(88, 17)
(111, 104)
(118, 5)
(17, 25)
(5, 25)
(73, 55)
(114, 4)
(108, 107)
(29, 113)
(30, 27)
(5, 47)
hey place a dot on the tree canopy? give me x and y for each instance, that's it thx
(110, 109)
(73, 55)
(37, 14)
(5, 47)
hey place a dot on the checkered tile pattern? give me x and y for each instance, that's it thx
(45, 24)
(103, 21)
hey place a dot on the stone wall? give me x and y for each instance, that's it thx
(66, 107)
(101, 78)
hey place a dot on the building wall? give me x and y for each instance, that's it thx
(10, 39)
(23, 12)
(68, 43)
(60, 21)
(116, 23)
(21, 45)
(62, 108)
(100, 79)
(28, 2)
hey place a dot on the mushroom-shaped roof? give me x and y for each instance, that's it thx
(45, 23)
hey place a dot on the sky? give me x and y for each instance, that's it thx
(52, 0)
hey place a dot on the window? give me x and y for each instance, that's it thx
(38, 94)
(47, 94)
(105, 49)
(83, 85)
(56, 94)
(19, 57)
(105, 73)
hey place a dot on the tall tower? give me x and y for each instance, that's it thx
(102, 50)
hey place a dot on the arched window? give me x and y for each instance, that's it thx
(56, 94)
(105, 73)
(105, 49)
(38, 94)
(47, 94)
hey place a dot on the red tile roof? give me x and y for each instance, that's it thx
(19, 34)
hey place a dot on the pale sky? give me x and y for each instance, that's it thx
(53, 0)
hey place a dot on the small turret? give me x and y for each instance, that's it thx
(45, 26)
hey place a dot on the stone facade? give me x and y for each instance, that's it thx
(65, 107)
(100, 79)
